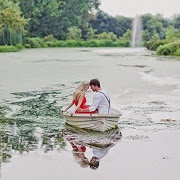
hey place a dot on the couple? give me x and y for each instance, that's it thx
(101, 101)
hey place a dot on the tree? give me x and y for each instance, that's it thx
(176, 22)
(107, 36)
(91, 34)
(105, 23)
(11, 22)
(74, 33)
(57, 16)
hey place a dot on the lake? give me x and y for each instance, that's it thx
(36, 144)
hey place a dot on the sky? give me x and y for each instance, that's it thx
(130, 8)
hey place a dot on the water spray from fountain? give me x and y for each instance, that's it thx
(137, 30)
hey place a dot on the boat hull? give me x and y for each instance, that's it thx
(97, 122)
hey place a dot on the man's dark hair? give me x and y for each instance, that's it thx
(95, 82)
(94, 165)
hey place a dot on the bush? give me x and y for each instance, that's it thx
(169, 49)
(92, 43)
(105, 43)
(8, 49)
(61, 44)
(123, 43)
(49, 38)
(177, 53)
(35, 42)
(19, 46)
(27, 45)
(154, 44)
(72, 43)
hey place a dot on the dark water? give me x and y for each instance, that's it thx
(36, 84)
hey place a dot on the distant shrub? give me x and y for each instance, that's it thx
(177, 53)
(92, 43)
(154, 44)
(72, 43)
(49, 41)
(49, 38)
(35, 42)
(169, 49)
(27, 45)
(105, 43)
(19, 46)
(8, 49)
(61, 44)
(123, 43)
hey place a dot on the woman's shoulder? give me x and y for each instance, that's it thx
(80, 94)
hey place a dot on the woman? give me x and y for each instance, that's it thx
(79, 152)
(79, 98)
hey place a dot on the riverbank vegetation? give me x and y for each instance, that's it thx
(71, 23)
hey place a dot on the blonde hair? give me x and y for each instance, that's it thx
(80, 88)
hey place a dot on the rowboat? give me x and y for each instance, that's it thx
(97, 122)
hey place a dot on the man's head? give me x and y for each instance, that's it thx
(95, 84)
(94, 163)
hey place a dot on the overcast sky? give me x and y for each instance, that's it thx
(130, 8)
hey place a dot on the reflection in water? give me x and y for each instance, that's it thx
(34, 124)
(99, 142)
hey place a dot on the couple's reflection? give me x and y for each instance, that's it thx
(99, 142)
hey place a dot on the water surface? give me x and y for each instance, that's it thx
(35, 84)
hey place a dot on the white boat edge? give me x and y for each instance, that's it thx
(97, 122)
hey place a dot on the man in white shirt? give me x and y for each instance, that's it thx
(101, 100)
(98, 155)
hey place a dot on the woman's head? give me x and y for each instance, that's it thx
(82, 87)
(81, 159)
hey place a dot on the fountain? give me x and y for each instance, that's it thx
(137, 40)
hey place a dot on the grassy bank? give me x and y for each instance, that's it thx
(16, 48)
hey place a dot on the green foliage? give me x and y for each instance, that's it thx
(168, 46)
(146, 35)
(19, 46)
(172, 35)
(74, 33)
(57, 16)
(8, 49)
(123, 43)
(127, 35)
(91, 34)
(107, 36)
(27, 45)
(176, 21)
(49, 38)
(11, 23)
(35, 42)
(52, 42)
(154, 25)
(169, 49)
(105, 23)
(177, 52)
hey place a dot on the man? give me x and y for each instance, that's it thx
(101, 100)
(98, 155)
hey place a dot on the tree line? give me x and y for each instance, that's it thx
(42, 23)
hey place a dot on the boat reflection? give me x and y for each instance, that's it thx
(99, 142)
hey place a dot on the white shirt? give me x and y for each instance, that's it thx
(101, 103)
(100, 153)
